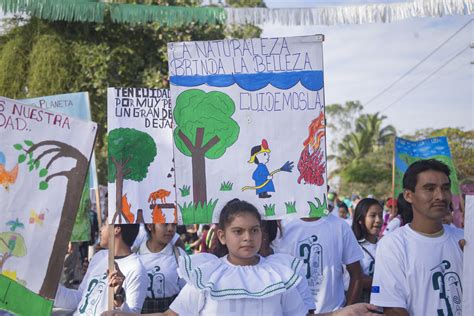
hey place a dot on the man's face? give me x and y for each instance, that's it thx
(431, 197)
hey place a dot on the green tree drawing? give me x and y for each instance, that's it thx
(130, 154)
(11, 245)
(204, 129)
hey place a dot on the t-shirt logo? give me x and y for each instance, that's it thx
(449, 286)
(312, 254)
(156, 287)
(93, 296)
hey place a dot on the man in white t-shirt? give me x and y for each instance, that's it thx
(325, 245)
(129, 281)
(418, 267)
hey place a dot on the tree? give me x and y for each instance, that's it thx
(130, 154)
(364, 152)
(204, 129)
(11, 245)
(55, 150)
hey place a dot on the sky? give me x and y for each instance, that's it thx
(361, 60)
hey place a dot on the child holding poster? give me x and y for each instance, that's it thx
(128, 281)
(366, 227)
(159, 256)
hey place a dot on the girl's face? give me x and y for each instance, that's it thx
(373, 220)
(162, 233)
(243, 238)
(342, 213)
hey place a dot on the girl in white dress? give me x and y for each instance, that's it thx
(366, 227)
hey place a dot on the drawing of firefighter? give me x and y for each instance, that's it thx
(260, 155)
(450, 288)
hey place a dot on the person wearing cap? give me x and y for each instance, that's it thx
(260, 155)
(392, 220)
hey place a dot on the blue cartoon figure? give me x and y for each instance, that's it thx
(260, 155)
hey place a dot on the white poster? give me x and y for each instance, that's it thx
(468, 267)
(141, 168)
(249, 124)
(44, 158)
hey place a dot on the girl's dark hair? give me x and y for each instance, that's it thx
(360, 231)
(229, 212)
(404, 209)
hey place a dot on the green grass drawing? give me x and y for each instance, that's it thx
(319, 209)
(185, 190)
(226, 186)
(290, 207)
(269, 209)
(200, 213)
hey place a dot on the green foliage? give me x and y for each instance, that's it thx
(185, 190)
(211, 111)
(246, 3)
(134, 149)
(319, 209)
(226, 186)
(14, 64)
(290, 207)
(269, 209)
(50, 63)
(197, 213)
(19, 249)
(33, 163)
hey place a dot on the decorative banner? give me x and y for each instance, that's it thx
(468, 268)
(75, 105)
(249, 118)
(44, 158)
(141, 167)
(407, 152)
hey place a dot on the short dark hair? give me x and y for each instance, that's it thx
(411, 175)
(360, 231)
(128, 232)
(404, 209)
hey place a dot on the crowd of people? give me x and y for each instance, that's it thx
(396, 257)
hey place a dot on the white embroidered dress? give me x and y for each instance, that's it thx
(217, 287)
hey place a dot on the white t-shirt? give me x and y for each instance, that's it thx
(194, 301)
(418, 273)
(324, 246)
(392, 225)
(368, 262)
(161, 269)
(91, 296)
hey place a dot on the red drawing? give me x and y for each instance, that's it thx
(7, 178)
(126, 209)
(157, 215)
(311, 164)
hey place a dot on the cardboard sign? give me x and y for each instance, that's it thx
(249, 124)
(141, 167)
(44, 159)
